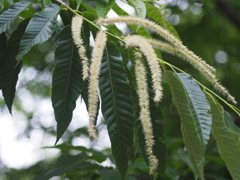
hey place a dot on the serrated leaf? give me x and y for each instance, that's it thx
(159, 148)
(227, 141)
(67, 81)
(155, 14)
(9, 73)
(200, 107)
(7, 19)
(103, 7)
(117, 108)
(189, 130)
(140, 8)
(39, 29)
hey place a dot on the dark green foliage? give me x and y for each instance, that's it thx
(67, 81)
(117, 105)
(8, 69)
(39, 30)
(9, 17)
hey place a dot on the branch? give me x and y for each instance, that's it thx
(230, 13)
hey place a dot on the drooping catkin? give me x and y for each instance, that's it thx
(142, 91)
(152, 59)
(154, 27)
(76, 27)
(95, 67)
(201, 66)
(168, 48)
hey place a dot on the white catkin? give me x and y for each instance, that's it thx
(95, 67)
(154, 27)
(76, 27)
(145, 112)
(152, 59)
(199, 65)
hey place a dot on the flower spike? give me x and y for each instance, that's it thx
(152, 26)
(200, 65)
(95, 67)
(144, 113)
(77, 22)
(152, 59)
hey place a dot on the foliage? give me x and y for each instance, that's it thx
(138, 124)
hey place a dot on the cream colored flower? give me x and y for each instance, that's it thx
(95, 67)
(199, 64)
(142, 91)
(77, 22)
(152, 59)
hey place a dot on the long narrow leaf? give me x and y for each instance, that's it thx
(7, 19)
(9, 73)
(189, 130)
(200, 107)
(227, 140)
(67, 81)
(117, 105)
(39, 30)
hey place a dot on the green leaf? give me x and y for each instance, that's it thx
(67, 81)
(139, 7)
(66, 163)
(155, 14)
(45, 3)
(39, 29)
(159, 148)
(227, 141)
(200, 107)
(75, 4)
(188, 126)
(96, 155)
(119, 10)
(117, 105)
(103, 7)
(230, 124)
(8, 18)
(3, 40)
(9, 73)
(89, 9)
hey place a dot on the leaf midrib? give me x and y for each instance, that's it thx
(184, 126)
(108, 61)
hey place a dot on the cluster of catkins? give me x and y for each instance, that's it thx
(173, 46)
